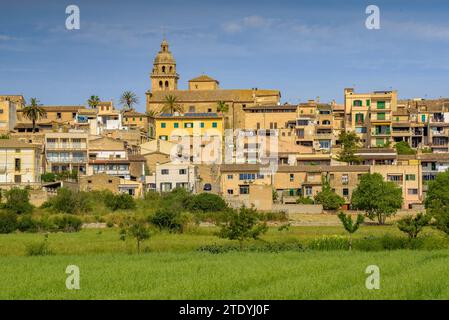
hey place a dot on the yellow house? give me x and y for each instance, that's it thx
(172, 126)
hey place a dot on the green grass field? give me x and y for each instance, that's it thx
(173, 269)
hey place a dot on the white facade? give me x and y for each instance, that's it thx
(170, 176)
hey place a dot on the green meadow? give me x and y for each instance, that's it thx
(171, 267)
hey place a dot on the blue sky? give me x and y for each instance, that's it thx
(303, 48)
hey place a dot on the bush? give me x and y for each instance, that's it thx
(72, 202)
(26, 223)
(205, 202)
(412, 226)
(66, 223)
(329, 243)
(168, 219)
(8, 222)
(152, 196)
(272, 247)
(304, 200)
(18, 201)
(38, 249)
(48, 177)
(119, 201)
(329, 199)
(273, 216)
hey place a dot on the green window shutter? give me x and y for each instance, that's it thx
(368, 102)
(163, 125)
(176, 125)
(379, 142)
(380, 104)
(214, 124)
(381, 116)
(423, 118)
(202, 124)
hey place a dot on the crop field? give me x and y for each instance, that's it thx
(171, 267)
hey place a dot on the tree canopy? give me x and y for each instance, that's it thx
(349, 145)
(378, 198)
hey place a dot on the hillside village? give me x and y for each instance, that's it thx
(102, 145)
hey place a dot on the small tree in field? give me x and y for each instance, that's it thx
(242, 225)
(349, 225)
(136, 229)
(412, 226)
(18, 201)
(378, 198)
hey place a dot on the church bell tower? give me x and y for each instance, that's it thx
(164, 76)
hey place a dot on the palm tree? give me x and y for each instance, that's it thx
(171, 105)
(128, 100)
(152, 113)
(93, 101)
(34, 112)
(222, 107)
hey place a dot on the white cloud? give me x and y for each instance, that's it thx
(253, 21)
(420, 30)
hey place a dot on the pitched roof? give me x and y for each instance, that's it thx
(292, 168)
(15, 143)
(190, 115)
(203, 78)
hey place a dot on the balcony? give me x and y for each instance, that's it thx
(66, 160)
(380, 133)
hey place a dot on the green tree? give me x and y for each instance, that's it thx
(328, 198)
(437, 201)
(134, 228)
(18, 201)
(403, 147)
(350, 225)
(128, 99)
(412, 226)
(34, 112)
(171, 105)
(349, 146)
(242, 224)
(205, 202)
(378, 198)
(222, 107)
(93, 101)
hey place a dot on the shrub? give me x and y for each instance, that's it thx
(304, 200)
(26, 223)
(72, 202)
(66, 223)
(205, 202)
(412, 226)
(48, 177)
(403, 147)
(273, 216)
(18, 201)
(328, 198)
(168, 219)
(8, 222)
(119, 201)
(243, 224)
(329, 243)
(152, 196)
(272, 247)
(38, 249)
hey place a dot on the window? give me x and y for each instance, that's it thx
(410, 177)
(394, 177)
(359, 118)
(73, 115)
(17, 178)
(368, 102)
(164, 171)
(230, 191)
(247, 176)
(308, 190)
(380, 104)
(188, 125)
(360, 130)
(176, 125)
(345, 179)
(163, 124)
(58, 115)
(423, 118)
(165, 186)
(214, 124)
(89, 181)
(202, 125)
(17, 164)
(412, 191)
(331, 176)
(292, 177)
(192, 109)
(165, 138)
(182, 171)
(109, 181)
(1, 111)
(230, 176)
(244, 189)
(357, 103)
(381, 116)
(345, 192)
